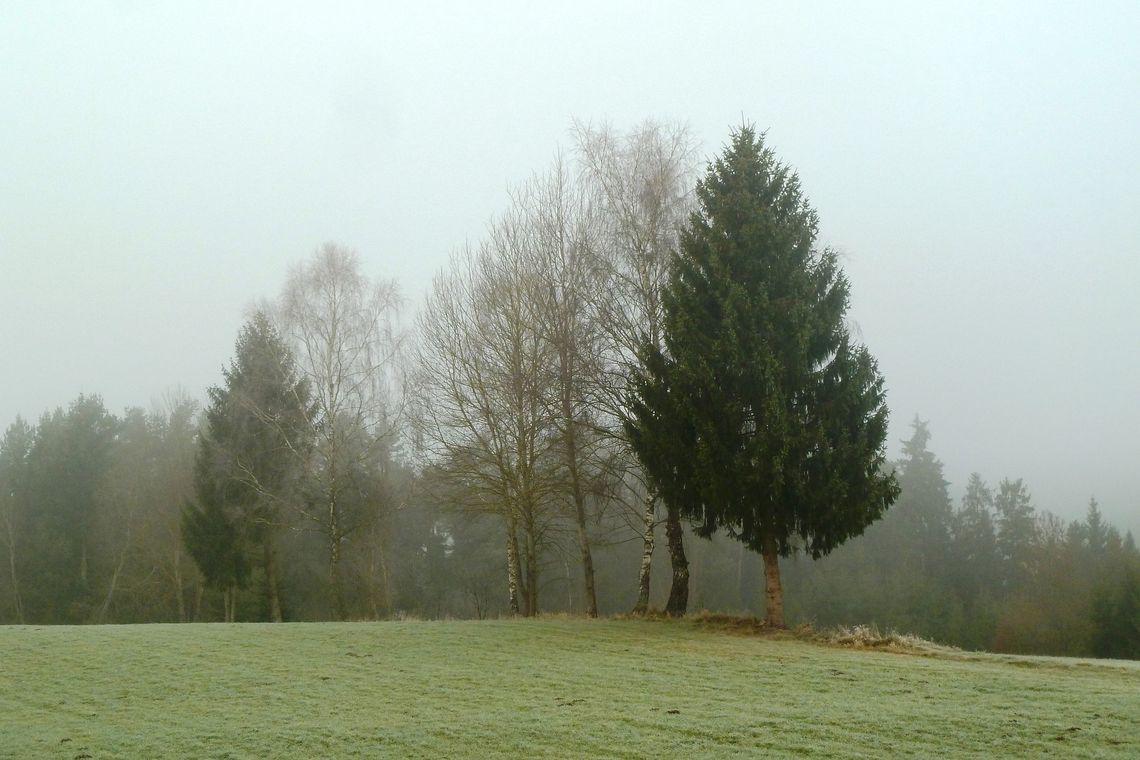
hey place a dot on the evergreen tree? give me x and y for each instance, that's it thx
(66, 467)
(1116, 615)
(1017, 531)
(214, 536)
(923, 511)
(778, 421)
(976, 562)
(249, 462)
(1095, 531)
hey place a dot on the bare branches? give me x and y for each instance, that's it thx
(345, 332)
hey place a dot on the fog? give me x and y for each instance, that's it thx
(164, 164)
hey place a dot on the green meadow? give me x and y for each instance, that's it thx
(538, 688)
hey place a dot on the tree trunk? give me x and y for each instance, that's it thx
(104, 609)
(100, 615)
(271, 581)
(335, 583)
(741, 587)
(531, 568)
(648, 539)
(335, 580)
(571, 441)
(774, 592)
(514, 571)
(379, 591)
(199, 592)
(678, 602)
(373, 602)
(587, 557)
(229, 602)
(179, 592)
(16, 600)
(385, 583)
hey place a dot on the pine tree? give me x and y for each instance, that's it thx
(761, 417)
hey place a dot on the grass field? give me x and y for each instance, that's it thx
(544, 688)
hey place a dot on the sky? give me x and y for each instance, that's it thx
(162, 165)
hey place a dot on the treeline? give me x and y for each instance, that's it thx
(91, 510)
(990, 572)
(486, 460)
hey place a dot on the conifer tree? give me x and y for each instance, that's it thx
(249, 462)
(761, 416)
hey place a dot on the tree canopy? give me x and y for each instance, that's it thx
(762, 416)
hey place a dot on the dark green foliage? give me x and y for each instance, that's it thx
(761, 417)
(975, 563)
(250, 459)
(1056, 588)
(974, 536)
(923, 513)
(15, 449)
(214, 538)
(1016, 531)
(65, 469)
(1116, 614)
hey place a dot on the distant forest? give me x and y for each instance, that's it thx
(485, 462)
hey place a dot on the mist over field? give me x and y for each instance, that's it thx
(973, 164)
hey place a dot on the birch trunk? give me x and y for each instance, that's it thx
(648, 540)
(514, 581)
(334, 557)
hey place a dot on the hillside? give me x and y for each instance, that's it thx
(552, 688)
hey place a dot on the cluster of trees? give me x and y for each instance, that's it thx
(629, 355)
(527, 343)
(89, 515)
(989, 573)
(615, 344)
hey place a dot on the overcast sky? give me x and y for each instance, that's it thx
(978, 165)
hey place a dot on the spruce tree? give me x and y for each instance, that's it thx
(761, 416)
(250, 462)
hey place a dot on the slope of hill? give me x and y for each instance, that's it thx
(548, 687)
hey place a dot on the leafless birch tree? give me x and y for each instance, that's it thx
(644, 180)
(343, 327)
(561, 214)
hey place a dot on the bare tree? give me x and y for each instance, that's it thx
(561, 214)
(482, 416)
(345, 333)
(644, 179)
